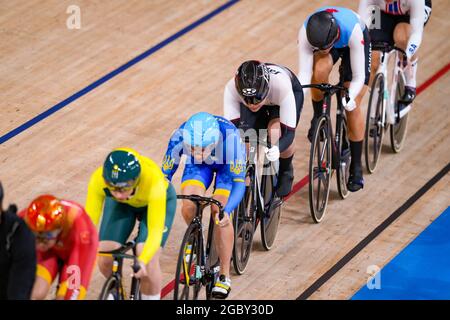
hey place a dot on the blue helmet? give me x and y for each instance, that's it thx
(201, 130)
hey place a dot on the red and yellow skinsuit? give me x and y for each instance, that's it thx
(73, 255)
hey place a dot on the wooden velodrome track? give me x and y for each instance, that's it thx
(43, 63)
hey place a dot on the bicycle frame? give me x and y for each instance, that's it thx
(389, 98)
(118, 256)
(253, 160)
(328, 91)
(206, 271)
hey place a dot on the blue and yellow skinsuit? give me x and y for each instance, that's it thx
(227, 160)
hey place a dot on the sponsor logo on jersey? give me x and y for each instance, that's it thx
(236, 168)
(85, 237)
(168, 163)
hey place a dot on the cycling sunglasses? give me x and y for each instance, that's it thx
(122, 187)
(253, 100)
(47, 236)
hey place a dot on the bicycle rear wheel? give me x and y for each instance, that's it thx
(110, 290)
(271, 213)
(399, 129)
(319, 170)
(374, 127)
(244, 228)
(188, 278)
(343, 171)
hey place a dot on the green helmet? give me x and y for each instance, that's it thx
(121, 169)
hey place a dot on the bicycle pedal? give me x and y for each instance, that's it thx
(192, 281)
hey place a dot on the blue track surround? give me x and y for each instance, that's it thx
(114, 73)
(421, 271)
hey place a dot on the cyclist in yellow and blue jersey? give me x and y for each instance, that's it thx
(212, 145)
(130, 187)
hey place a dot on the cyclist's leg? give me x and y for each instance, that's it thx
(116, 226)
(46, 272)
(402, 33)
(276, 131)
(355, 118)
(381, 33)
(401, 36)
(196, 179)
(286, 170)
(151, 285)
(224, 235)
(252, 124)
(323, 64)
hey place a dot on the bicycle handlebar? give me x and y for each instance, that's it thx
(122, 249)
(386, 47)
(197, 199)
(326, 87)
(121, 253)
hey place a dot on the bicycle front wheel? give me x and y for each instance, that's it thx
(135, 291)
(111, 290)
(188, 277)
(374, 124)
(343, 170)
(320, 170)
(271, 213)
(399, 129)
(244, 228)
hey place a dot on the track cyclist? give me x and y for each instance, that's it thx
(328, 34)
(267, 96)
(131, 187)
(66, 243)
(212, 145)
(400, 23)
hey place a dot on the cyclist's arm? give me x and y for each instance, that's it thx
(237, 174)
(95, 196)
(288, 116)
(173, 154)
(231, 103)
(305, 58)
(22, 271)
(416, 20)
(156, 215)
(236, 194)
(77, 272)
(363, 10)
(357, 61)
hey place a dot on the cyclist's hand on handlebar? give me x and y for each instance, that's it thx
(225, 220)
(348, 103)
(142, 272)
(273, 154)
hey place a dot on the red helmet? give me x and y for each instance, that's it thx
(44, 214)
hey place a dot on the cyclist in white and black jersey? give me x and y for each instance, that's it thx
(401, 22)
(267, 96)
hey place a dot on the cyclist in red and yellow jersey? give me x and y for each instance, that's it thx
(130, 187)
(66, 243)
